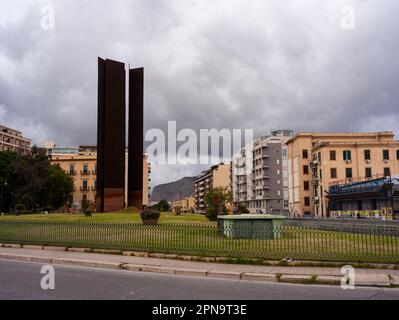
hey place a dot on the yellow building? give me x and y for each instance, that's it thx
(318, 160)
(217, 176)
(186, 205)
(81, 164)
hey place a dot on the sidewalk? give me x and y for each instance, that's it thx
(309, 275)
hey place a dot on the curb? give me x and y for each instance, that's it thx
(252, 261)
(370, 280)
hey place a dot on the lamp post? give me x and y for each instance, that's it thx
(3, 185)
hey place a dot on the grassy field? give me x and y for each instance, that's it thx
(193, 235)
(127, 215)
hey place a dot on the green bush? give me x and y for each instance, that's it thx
(149, 214)
(211, 213)
(86, 208)
(20, 208)
(242, 209)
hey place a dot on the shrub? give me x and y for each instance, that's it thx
(149, 214)
(20, 208)
(86, 208)
(163, 206)
(211, 213)
(242, 209)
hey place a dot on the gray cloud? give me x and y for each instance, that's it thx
(220, 64)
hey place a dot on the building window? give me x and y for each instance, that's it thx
(367, 155)
(333, 173)
(397, 154)
(333, 155)
(286, 203)
(347, 155)
(84, 197)
(85, 184)
(85, 168)
(321, 174)
(387, 172)
(385, 154)
(305, 169)
(348, 172)
(305, 154)
(307, 201)
(71, 168)
(306, 185)
(368, 173)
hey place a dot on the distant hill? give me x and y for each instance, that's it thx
(171, 191)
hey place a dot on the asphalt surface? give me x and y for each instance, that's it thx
(21, 280)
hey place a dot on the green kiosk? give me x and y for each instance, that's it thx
(251, 226)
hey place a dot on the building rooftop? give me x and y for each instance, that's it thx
(386, 134)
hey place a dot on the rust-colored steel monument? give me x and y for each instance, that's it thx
(111, 136)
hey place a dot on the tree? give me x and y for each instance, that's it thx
(216, 200)
(163, 206)
(32, 181)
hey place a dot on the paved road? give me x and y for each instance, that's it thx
(21, 280)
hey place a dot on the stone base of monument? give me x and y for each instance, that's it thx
(251, 226)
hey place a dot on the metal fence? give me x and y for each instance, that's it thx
(372, 227)
(206, 239)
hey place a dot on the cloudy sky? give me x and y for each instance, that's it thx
(208, 64)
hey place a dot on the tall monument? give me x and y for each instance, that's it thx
(136, 138)
(111, 136)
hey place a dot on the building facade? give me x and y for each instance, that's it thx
(376, 199)
(260, 174)
(319, 160)
(186, 205)
(81, 164)
(217, 176)
(12, 140)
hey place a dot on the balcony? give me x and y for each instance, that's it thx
(94, 172)
(84, 172)
(84, 188)
(71, 173)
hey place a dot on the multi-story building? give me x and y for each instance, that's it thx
(12, 140)
(319, 160)
(260, 174)
(186, 205)
(217, 176)
(81, 164)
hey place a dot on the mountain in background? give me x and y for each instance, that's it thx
(174, 190)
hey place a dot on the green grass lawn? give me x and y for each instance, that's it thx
(127, 215)
(193, 235)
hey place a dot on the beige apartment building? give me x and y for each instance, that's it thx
(12, 140)
(186, 205)
(319, 160)
(81, 164)
(217, 176)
